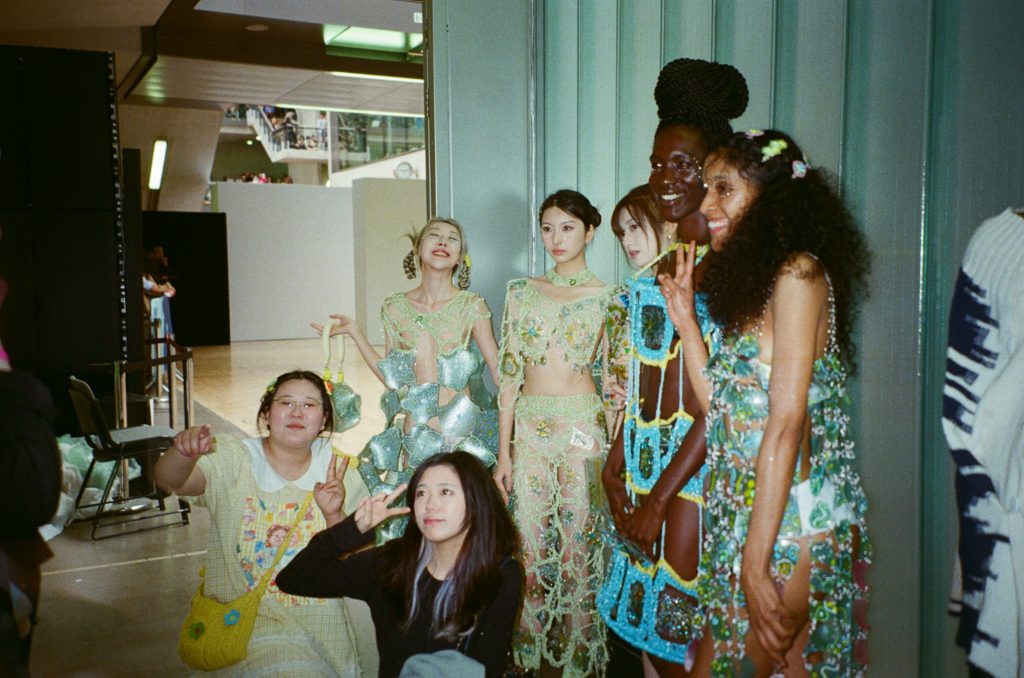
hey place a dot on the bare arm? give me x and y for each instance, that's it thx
(483, 335)
(510, 379)
(682, 311)
(798, 309)
(614, 485)
(644, 525)
(348, 326)
(177, 470)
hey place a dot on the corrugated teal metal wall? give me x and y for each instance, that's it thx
(916, 105)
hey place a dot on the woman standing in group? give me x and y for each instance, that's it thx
(450, 582)
(782, 576)
(255, 489)
(430, 368)
(654, 474)
(552, 332)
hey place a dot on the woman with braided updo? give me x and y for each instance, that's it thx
(654, 477)
(785, 546)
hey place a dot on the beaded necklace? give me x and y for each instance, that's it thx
(559, 280)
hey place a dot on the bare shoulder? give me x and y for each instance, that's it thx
(802, 266)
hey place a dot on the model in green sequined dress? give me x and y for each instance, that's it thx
(786, 548)
(553, 443)
(435, 399)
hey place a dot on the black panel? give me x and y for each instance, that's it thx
(72, 167)
(13, 133)
(131, 173)
(77, 293)
(17, 316)
(196, 245)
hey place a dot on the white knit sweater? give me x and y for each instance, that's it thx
(983, 419)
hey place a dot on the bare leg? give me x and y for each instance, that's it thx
(682, 551)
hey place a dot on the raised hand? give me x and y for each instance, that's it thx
(375, 510)
(330, 494)
(194, 442)
(679, 290)
(345, 325)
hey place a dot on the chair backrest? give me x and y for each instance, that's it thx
(90, 416)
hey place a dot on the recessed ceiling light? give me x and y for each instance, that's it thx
(257, 28)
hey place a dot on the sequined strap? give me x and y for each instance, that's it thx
(832, 347)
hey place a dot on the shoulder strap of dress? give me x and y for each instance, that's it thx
(831, 346)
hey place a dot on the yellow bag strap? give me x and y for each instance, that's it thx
(333, 373)
(265, 579)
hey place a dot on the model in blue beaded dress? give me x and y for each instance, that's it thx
(654, 475)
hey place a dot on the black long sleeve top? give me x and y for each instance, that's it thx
(319, 571)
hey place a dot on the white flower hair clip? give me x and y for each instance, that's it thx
(751, 133)
(799, 169)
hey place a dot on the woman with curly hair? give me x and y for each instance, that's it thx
(654, 476)
(785, 544)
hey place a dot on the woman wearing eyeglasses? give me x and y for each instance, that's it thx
(254, 489)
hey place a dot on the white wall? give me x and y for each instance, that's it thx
(290, 257)
(382, 169)
(384, 212)
(191, 136)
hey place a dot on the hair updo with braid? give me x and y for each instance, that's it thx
(702, 94)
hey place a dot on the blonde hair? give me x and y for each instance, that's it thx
(461, 270)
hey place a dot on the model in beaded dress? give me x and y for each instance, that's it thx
(786, 549)
(553, 443)
(436, 401)
(655, 471)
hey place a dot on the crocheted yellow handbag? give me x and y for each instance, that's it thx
(216, 634)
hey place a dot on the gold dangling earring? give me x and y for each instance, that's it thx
(409, 265)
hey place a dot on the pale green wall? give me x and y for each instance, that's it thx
(916, 105)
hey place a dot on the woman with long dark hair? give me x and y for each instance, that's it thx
(450, 582)
(785, 546)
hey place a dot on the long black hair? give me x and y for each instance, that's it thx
(491, 537)
(796, 209)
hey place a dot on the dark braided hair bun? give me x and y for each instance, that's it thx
(701, 93)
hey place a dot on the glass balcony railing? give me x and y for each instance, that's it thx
(346, 139)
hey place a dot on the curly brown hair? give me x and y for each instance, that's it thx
(796, 209)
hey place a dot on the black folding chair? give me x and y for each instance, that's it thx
(143, 443)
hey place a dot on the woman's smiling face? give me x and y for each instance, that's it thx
(676, 166)
(440, 246)
(728, 198)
